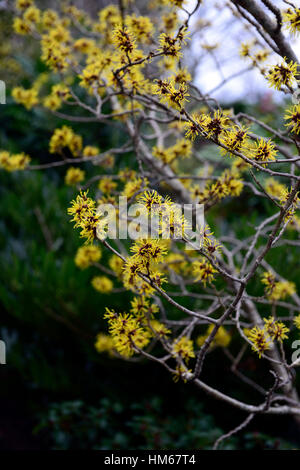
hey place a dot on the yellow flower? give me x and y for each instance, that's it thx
(65, 138)
(28, 98)
(124, 40)
(239, 165)
(170, 21)
(32, 15)
(18, 161)
(141, 26)
(104, 343)
(87, 255)
(23, 4)
(84, 45)
(148, 250)
(126, 333)
(259, 340)
(151, 200)
(92, 222)
(261, 56)
(293, 116)
(177, 263)
(283, 74)
(173, 224)
(183, 348)
(284, 198)
(52, 102)
(234, 139)
(90, 151)
(274, 188)
(127, 174)
(133, 187)
(49, 19)
(139, 306)
(174, 95)
(102, 284)
(74, 176)
(291, 19)
(215, 125)
(116, 264)
(55, 51)
(277, 290)
(182, 76)
(181, 373)
(221, 339)
(203, 271)
(59, 93)
(277, 330)
(194, 127)
(159, 328)
(182, 149)
(261, 151)
(297, 321)
(170, 45)
(106, 185)
(132, 268)
(245, 49)
(232, 184)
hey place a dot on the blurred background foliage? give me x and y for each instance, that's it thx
(56, 391)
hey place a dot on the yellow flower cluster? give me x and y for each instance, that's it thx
(127, 333)
(124, 40)
(183, 348)
(228, 184)
(170, 221)
(87, 255)
(276, 290)
(294, 204)
(86, 217)
(261, 338)
(276, 329)
(284, 74)
(182, 149)
(210, 126)
(65, 138)
(28, 98)
(59, 94)
(222, 338)
(116, 264)
(171, 93)
(13, 162)
(106, 185)
(148, 253)
(257, 57)
(104, 343)
(74, 176)
(293, 117)
(291, 19)
(132, 331)
(102, 284)
(134, 186)
(297, 321)
(203, 271)
(274, 188)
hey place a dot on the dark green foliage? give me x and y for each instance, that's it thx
(145, 425)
